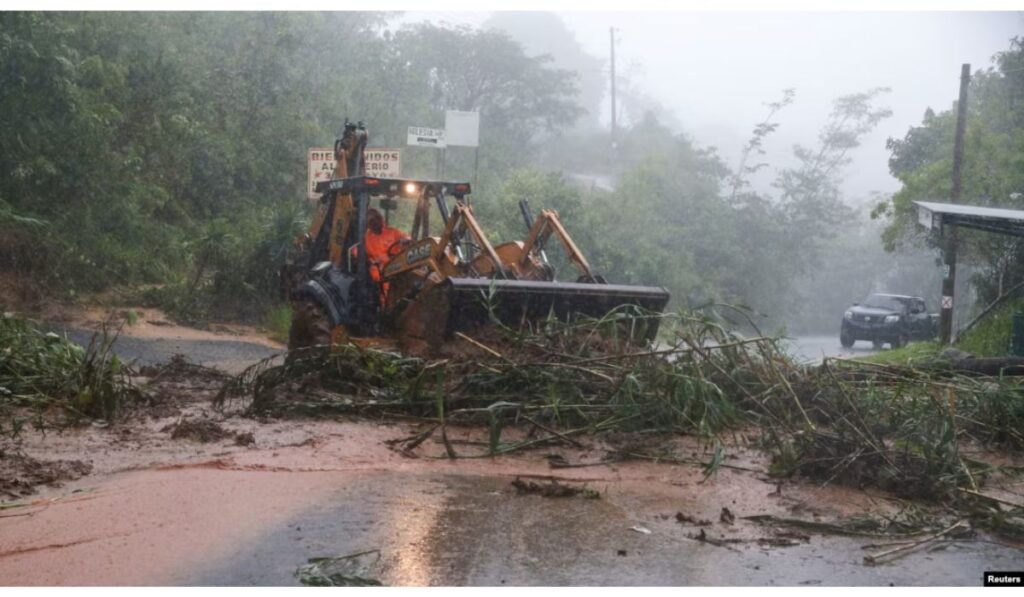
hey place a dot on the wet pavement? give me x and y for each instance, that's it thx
(232, 356)
(812, 349)
(201, 526)
(452, 530)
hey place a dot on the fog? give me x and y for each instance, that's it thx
(715, 70)
(709, 76)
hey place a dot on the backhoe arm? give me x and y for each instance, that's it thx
(547, 223)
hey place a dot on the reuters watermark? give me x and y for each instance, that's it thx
(1004, 579)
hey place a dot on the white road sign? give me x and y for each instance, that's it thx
(383, 162)
(947, 302)
(462, 128)
(380, 161)
(924, 217)
(427, 137)
(320, 166)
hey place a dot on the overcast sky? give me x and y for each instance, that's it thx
(715, 70)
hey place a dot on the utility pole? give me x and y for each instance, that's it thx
(949, 234)
(611, 37)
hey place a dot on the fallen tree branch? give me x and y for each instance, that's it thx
(873, 559)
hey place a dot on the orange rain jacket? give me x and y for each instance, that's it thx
(377, 246)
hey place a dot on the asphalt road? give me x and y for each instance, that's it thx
(815, 348)
(228, 355)
(471, 531)
(233, 356)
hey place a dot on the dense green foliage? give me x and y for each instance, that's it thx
(167, 149)
(993, 170)
(991, 336)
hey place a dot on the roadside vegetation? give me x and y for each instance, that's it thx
(911, 354)
(990, 337)
(47, 380)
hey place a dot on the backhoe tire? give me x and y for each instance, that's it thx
(310, 325)
(293, 273)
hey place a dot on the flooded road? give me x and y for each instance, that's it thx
(472, 531)
(229, 522)
(812, 349)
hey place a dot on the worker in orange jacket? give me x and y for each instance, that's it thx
(379, 238)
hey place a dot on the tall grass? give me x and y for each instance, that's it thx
(277, 322)
(991, 336)
(47, 373)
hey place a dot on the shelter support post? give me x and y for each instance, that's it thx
(949, 242)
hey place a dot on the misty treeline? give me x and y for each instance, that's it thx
(166, 152)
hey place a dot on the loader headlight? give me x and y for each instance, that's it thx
(410, 188)
(848, 316)
(892, 318)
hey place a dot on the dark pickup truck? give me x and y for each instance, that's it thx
(888, 318)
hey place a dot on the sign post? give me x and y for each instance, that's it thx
(428, 137)
(462, 128)
(319, 167)
(425, 137)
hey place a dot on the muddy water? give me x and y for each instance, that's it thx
(148, 528)
(158, 511)
(441, 530)
(253, 517)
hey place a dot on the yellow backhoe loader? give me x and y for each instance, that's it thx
(432, 287)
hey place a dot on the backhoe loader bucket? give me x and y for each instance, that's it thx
(460, 304)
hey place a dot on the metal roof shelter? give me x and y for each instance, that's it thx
(990, 219)
(946, 218)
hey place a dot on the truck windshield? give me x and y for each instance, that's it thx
(881, 301)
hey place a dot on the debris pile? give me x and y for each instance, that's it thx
(553, 489)
(353, 570)
(567, 377)
(20, 473)
(909, 430)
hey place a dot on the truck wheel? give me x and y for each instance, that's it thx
(846, 340)
(899, 342)
(310, 325)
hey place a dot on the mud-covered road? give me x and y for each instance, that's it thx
(164, 510)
